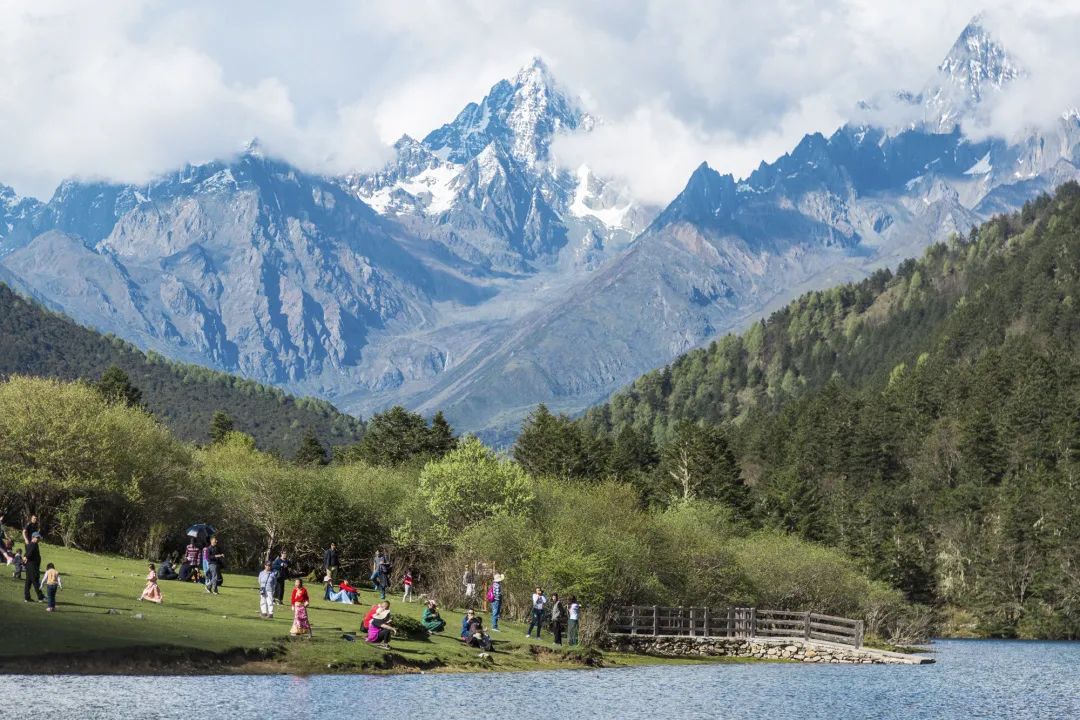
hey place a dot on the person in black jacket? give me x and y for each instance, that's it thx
(331, 562)
(33, 569)
(215, 562)
(281, 569)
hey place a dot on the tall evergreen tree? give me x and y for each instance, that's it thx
(393, 438)
(115, 386)
(221, 424)
(311, 451)
(441, 439)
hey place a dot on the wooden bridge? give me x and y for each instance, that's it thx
(734, 622)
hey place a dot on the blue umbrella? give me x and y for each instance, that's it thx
(201, 531)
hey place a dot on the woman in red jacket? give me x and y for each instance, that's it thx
(301, 625)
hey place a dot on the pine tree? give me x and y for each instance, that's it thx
(393, 438)
(115, 386)
(221, 424)
(311, 451)
(441, 438)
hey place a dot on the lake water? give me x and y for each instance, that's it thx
(971, 679)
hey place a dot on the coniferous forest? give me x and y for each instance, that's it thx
(185, 397)
(926, 422)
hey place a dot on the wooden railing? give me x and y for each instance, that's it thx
(734, 622)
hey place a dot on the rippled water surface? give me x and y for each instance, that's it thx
(983, 679)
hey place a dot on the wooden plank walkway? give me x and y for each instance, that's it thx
(734, 622)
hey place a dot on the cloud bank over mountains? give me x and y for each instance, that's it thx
(126, 90)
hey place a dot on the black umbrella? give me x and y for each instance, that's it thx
(201, 532)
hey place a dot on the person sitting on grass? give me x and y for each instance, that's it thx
(166, 572)
(366, 623)
(469, 615)
(474, 634)
(345, 593)
(51, 583)
(431, 618)
(151, 592)
(380, 629)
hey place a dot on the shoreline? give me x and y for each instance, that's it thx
(172, 660)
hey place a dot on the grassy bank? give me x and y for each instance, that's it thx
(100, 626)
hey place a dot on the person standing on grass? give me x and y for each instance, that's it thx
(32, 561)
(407, 583)
(299, 600)
(151, 592)
(30, 528)
(539, 600)
(331, 562)
(51, 583)
(558, 618)
(215, 558)
(267, 588)
(572, 624)
(495, 597)
(281, 573)
(469, 581)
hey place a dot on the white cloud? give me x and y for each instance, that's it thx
(127, 89)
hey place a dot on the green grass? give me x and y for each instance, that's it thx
(193, 630)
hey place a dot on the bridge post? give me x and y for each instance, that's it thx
(858, 634)
(708, 629)
(806, 621)
(753, 622)
(655, 620)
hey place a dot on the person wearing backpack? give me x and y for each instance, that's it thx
(558, 618)
(495, 599)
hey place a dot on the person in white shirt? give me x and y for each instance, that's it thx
(469, 581)
(539, 600)
(267, 584)
(572, 625)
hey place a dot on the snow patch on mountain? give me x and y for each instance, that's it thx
(585, 201)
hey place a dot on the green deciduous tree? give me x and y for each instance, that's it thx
(471, 483)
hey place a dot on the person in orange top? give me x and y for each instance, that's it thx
(301, 625)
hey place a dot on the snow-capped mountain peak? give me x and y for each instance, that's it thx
(976, 66)
(522, 115)
(491, 170)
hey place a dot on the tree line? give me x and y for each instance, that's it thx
(103, 474)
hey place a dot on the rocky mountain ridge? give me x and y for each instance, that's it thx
(475, 274)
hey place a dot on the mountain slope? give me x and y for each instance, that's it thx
(925, 423)
(184, 397)
(475, 275)
(959, 300)
(727, 251)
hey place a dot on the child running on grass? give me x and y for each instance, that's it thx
(51, 583)
(151, 592)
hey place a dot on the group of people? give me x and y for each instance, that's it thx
(26, 564)
(204, 563)
(564, 616)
